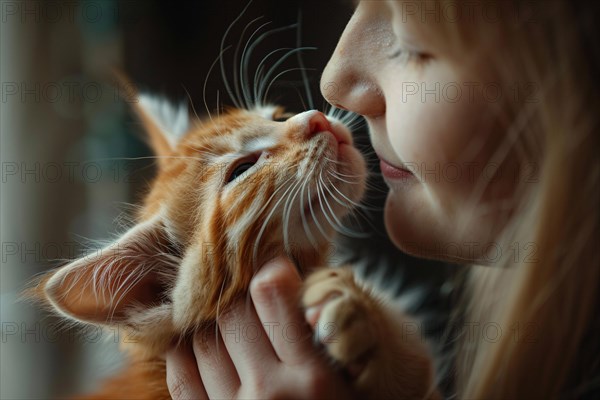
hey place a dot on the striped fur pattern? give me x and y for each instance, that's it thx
(232, 192)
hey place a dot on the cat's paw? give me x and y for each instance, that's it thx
(340, 313)
(362, 334)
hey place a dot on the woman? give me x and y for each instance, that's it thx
(484, 116)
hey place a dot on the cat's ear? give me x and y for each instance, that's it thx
(106, 287)
(164, 122)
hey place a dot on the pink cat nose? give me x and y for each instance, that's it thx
(311, 123)
(318, 122)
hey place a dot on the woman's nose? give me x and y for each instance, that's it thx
(348, 81)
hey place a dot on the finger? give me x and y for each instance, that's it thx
(246, 341)
(275, 292)
(216, 368)
(183, 378)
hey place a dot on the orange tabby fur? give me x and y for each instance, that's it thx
(199, 240)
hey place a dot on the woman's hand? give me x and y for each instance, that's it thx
(264, 349)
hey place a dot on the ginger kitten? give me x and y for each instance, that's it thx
(233, 191)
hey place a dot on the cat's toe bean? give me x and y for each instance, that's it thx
(337, 309)
(312, 313)
(345, 329)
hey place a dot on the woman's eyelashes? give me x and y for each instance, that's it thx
(398, 53)
(406, 56)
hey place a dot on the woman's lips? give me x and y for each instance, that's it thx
(393, 172)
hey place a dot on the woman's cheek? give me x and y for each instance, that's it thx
(440, 143)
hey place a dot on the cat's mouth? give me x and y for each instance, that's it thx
(341, 134)
(343, 138)
(337, 137)
(335, 176)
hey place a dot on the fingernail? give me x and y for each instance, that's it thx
(275, 262)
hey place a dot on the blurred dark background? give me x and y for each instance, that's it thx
(73, 156)
(169, 48)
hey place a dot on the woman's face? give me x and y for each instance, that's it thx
(431, 124)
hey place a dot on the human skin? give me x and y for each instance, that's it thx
(268, 367)
(435, 152)
(432, 129)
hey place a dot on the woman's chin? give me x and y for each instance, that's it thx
(398, 225)
(417, 234)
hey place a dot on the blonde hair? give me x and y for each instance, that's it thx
(544, 302)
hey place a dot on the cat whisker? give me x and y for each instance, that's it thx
(358, 208)
(333, 173)
(347, 178)
(264, 207)
(197, 121)
(309, 97)
(199, 159)
(363, 205)
(367, 152)
(335, 198)
(338, 226)
(321, 200)
(219, 58)
(305, 225)
(301, 99)
(246, 58)
(258, 75)
(267, 219)
(218, 103)
(334, 112)
(349, 118)
(286, 216)
(266, 94)
(372, 188)
(234, 99)
(327, 108)
(346, 198)
(244, 61)
(336, 162)
(355, 208)
(335, 224)
(358, 124)
(277, 64)
(312, 212)
(238, 76)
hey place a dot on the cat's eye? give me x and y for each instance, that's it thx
(239, 171)
(241, 167)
